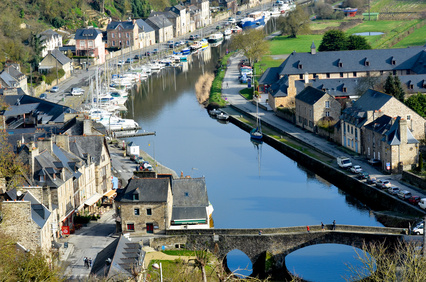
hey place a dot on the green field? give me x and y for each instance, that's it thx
(284, 45)
(398, 6)
(417, 38)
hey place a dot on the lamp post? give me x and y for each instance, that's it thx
(156, 266)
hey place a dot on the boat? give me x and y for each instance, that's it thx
(256, 133)
(215, 38)
(222, 116)
(236, 29)
(253, 20)
(227, 32)
(204, 43)
(195, 46)
(117, 123)
(183, 58)
(186, 51)
(214, 112)
(98, 114)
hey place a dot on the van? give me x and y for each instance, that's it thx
(422, 203)
(344, 162)
(418, 229)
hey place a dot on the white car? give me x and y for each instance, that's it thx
(356, 169)
(77, 91)
(418, 229)
(231, 20)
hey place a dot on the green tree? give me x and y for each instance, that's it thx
(393, 87)
(36, 44)
(420, 162)
(296, 22)
(417, 103)
(356, 42)
(252, 43)
(333, 40)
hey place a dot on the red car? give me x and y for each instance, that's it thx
(414, 200)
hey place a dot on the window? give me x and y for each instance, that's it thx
(341, 74)
(354, 73)
(381, 72)
(82, 44)
(348, 128)
(311, 124)
(113, 43)
(352, 130)
(90, 43)
(148, 211)
(119, 35)
(127, 34)
(340, 64)
(300, 76)
(345, 89)
(408, 72)
(327, 104)
(130, 226)
(367, 63)
(300, 66)
(310, 113)
(327, 75)
(394, 72)
(136, 197)
(136, 210)
(368, 151)
(186, 194)
(411, 86)
(408, 117)
(393, 62)
(356, 133)
(327, 113)
(349, 142)
(112, 35)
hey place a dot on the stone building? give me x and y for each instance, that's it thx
(313, 105)
(391, 141)
(51, 40)
(370, 106)
(56, 60)
(88, 43)
(27, 220)
(146, 34)
(123, 34)
(339, 70)
(163, 28)
(144, 206)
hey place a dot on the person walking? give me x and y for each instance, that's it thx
(322, 226)
(334, 224)
(307, 228)
(86, 263)
(90, 262)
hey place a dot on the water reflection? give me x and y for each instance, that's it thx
(325, 262)
(239, 263)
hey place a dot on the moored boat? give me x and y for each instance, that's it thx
(215, 38)
(253, 20)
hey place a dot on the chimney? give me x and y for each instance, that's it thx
(87, 127)
(313, 49)
(63, 177)
(63, 141)
(370, 116)
(403, 131)
(45, 144)
(306, 77)
(34, 152)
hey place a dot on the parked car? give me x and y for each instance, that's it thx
(356, 169)
(231, 20)
(383, 184)
(139, 160)
(418, 229)
(54, 89)
(363, 175)
(218, 27)
(371, 180)
(414, 200)
(374, 162)
(147, 53)
(238, 13)
(76, 91)
(191, 37)
(120, 63)
(344, 162)
(155, 51)
(422, 203)
(137, 57)
(129, 61)
(393, 190)
(43, 96)
(404, 195)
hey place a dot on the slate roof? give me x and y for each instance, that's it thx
(49, 33)
(87, 33)
(14, 72)
(270, 76)
(58, 55)
(143, 26)
(158, 21)
(188, 213)
(124, 25)
(412, 58)
(20, 109)
(310, 95)
(115, 262)
(190, 192)
(393, 136)
(92, 145)
(67, 160)
(279, 89)
(334, 87)
(8, 80)
(46, 165)
(149, 189)
(380, 125)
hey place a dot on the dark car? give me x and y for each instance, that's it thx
(238, 13)
(191, 37)
(137, 57)
(155, 51)
(43, 96)
(374, 162)
(414, 200)
(363, 175)
(147, 53)
(371, 180)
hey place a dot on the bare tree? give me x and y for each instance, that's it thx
(296, 22)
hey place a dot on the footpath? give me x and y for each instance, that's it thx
(230, 92)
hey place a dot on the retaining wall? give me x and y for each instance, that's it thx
(413, 179)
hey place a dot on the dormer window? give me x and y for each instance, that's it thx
(340, 64)
(411, 86)
(393, 62)
(41, 178)
(344, 89)
(299, 66)
(367, 63)
(136, 197)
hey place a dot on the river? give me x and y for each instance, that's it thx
(249, 186)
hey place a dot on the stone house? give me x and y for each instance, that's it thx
(390, 140)
(163, 28)
(146, 34)
(123, 34)
(12, 77)
(88, 43)
(144, 206)
(191, 206)
(195, 16)
(346, 66)
(371, 105)
(27, 220)
(313, 105)
(182, 19)
(56, 59)
(51, 40)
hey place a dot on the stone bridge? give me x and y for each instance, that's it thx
(267, 251)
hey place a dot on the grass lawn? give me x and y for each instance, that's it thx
(247, 93)
(417, 38)
(323, 24)
(284, 45)
(400, 6)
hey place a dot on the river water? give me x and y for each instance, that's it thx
(249, 186)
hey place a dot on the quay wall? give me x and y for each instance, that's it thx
(416, 180)
(372, 196)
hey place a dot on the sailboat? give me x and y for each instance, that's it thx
(256, 133)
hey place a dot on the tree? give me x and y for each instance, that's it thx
(36, 44)
(252, 43)
(405, 263)
(323, 11)
(420, 162)
(333, 40)
(296, 22)
(356, 42)
(365, 83)
(417, 103)
(393, 87)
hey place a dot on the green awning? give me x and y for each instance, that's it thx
(189, 221)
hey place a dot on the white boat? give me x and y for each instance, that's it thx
(155, 66)
(204, 43)
(116, 123)
(195, 46)
(98, 114)
(227, 32)
(236, 29)
(253, 20)
(222, 116)
(215, 38)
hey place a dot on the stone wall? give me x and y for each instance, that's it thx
(413, 179)
(158, 210)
